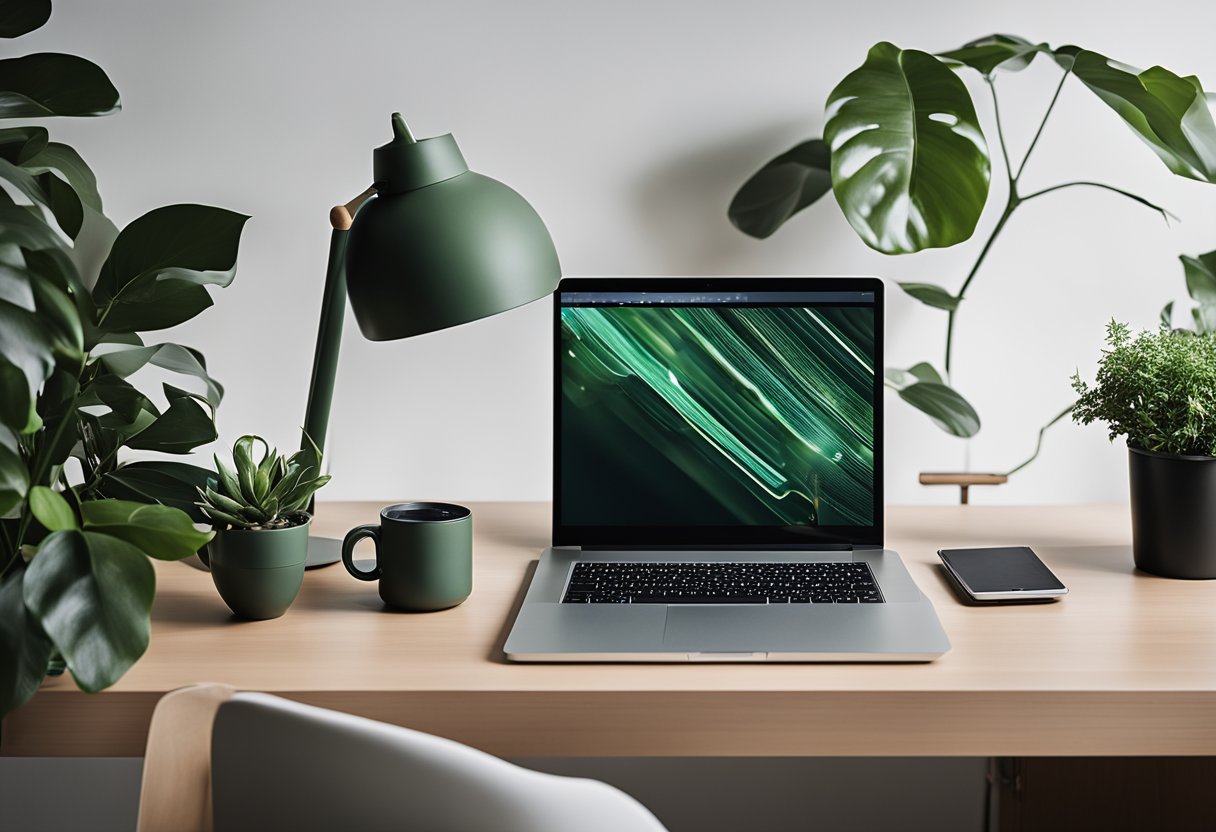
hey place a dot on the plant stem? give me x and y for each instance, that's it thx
(1010, 205)
(1042, 124)
(1164, 213)
(9, 550)
(1038, 445)
(1000, 133)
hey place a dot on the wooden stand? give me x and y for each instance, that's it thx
(964, 480)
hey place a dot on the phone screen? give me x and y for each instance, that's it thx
(1013, 569)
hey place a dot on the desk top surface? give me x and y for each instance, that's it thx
(1117, 631)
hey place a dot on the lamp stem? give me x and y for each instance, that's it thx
(329, 340)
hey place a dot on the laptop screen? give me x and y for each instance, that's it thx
(718, 411)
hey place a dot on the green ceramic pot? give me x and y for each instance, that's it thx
(258, 572)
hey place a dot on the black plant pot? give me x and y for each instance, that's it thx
(1173, 514)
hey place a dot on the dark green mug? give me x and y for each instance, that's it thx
(424, 555)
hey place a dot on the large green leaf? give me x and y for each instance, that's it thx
(14, 478)
(1200, 277)
(17, 17)
(67, 162)
(988, 54)
(130, 411)
(173, 357)
(57, 405)
(922, 387)
(93, 594)
(180, 429)
(1169, 112)
(23, 180)
(910, 166)
(16, 288)
(158, 531)
(20, 143)
(25, 648)
(1201, 286)
(61, 317)
(782, 188)
(173, 484)
(158, 267)
(49, 190)
(64, 203)
(51, 84)
(19, 227)
(931, 295)
(27, 357)
(51, 510)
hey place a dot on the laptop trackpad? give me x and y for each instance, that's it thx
(725, 627)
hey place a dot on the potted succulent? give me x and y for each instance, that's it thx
(261, 524)
(1158, 389)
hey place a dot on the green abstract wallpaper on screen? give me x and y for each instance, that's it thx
(717, 415)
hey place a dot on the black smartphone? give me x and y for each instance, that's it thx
(1008, 573)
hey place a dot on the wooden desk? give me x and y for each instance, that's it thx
(1125, 665)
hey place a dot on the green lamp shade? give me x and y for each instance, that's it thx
(440, 245)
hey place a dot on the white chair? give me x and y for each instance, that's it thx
(265, 763)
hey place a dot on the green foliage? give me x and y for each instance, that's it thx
(782, 188)
(909, 163)
(1200, 273)
(75, 576)
(1158, 389)
(266, 492)
(922, 387)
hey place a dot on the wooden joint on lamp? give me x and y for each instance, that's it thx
(963, 479)
(341, 216)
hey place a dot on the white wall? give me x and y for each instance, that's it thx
(628, 125)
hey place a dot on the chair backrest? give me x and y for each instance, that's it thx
(175, 795)
(277, 764)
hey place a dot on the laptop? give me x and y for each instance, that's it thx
(717, 479)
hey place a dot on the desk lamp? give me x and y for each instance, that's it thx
(428, 246)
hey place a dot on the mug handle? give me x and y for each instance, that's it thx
(348, 551)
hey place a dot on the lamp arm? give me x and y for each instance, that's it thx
(329, 328)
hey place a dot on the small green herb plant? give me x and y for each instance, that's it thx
(1156, 388)
(269, 492)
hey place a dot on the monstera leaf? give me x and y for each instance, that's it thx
(27, 357)
(1170, 113)
(1201, 286)
(988, 54)
(14, 479)
(25, 648)
(17, 19)
(931, 295)
(159, 267)
(20, 143)
(174, 484)
(93, 594)
(183, 426)
(923, 387)
(124, 362)
(50, 84)
(782, 188)
(910, 165)
(65, 161)
(158, 531)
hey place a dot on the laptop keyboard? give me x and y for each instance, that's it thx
(721, 583)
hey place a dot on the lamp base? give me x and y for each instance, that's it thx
(323, 551)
